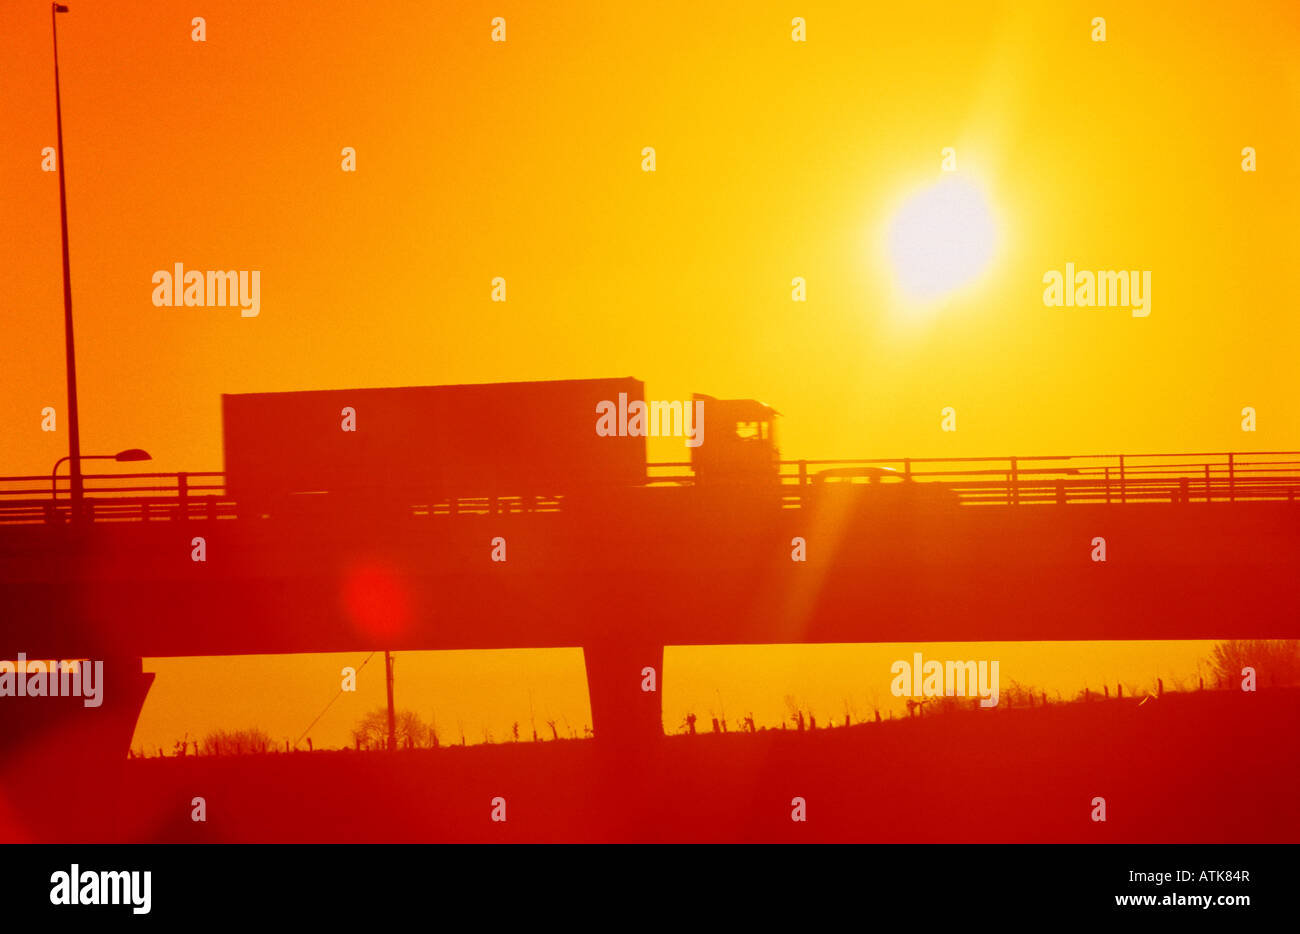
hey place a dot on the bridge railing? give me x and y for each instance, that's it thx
(1020, 480)
(117, 497)
(203, 495)
(1061, 479)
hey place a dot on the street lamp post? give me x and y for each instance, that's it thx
(74, 425)
(130, 454)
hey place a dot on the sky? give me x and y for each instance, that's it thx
(480, 696)
(774, 159)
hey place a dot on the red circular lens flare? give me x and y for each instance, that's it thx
(376, 599)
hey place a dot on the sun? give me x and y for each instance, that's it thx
(941, 239)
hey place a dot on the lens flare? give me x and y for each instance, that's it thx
(377, 600)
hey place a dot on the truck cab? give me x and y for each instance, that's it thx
(739, 443)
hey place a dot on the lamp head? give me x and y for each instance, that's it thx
(132, 454)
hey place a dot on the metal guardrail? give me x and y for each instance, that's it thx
(117, 497)
(970, 481)
(1179, 478)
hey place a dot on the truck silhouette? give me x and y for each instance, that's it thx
(433, 443)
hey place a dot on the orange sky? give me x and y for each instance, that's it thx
(775, 159)
(482, 694)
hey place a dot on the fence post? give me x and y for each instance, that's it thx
(1122, 493)
(1015, 484)
(1209, 496)
(183, 494)
(1232, 483)
(1108, 486)
(1184, 488)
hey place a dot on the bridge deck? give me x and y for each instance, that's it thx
(670, 566)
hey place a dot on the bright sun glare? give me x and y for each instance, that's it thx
(941, 238)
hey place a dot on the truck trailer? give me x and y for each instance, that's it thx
(428, 443)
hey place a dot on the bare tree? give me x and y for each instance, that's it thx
(235, 742)
(1276, 661)
(371, 731)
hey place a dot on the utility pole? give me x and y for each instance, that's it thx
(74, 426)
(392, 714)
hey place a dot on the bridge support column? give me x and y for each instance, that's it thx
(624, 716)
(63, 764)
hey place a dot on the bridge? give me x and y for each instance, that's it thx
(1203, 546)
